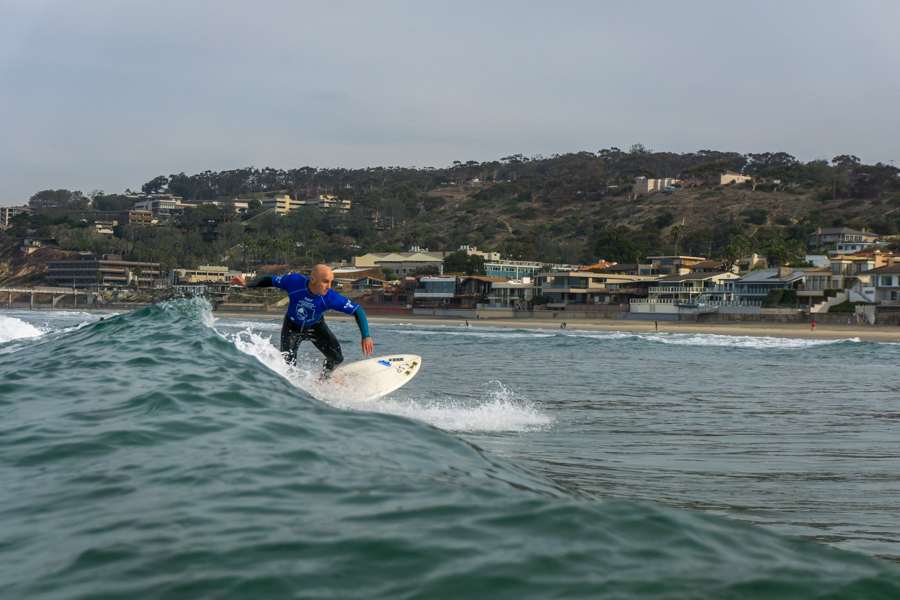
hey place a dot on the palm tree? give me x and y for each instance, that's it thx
(675, 233)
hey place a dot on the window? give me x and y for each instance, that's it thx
(886, 280)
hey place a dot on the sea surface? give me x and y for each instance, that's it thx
(168, 454)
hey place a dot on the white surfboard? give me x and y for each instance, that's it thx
(375, 377)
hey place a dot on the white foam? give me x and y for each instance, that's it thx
(498, 410)
(715, 340)
(14, 329)
(495, 334)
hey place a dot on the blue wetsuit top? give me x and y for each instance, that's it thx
(306, 308)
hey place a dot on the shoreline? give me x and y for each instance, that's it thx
(868, 333)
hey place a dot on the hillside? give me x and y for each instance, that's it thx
(26, 270)
(572, 208)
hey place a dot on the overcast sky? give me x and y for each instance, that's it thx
(108, 94)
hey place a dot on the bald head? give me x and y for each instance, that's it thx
(321, 270)
(320, 279)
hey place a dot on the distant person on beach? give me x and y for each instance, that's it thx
(657, 325)
(467, 322)
(563, 326)
(813, 325)
(310, 297)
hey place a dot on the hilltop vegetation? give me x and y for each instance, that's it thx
(572, 208)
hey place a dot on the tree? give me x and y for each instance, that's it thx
(137, 272)
(155, 185)
(730, 255)
(463, 262)
(675, 233)
(48, 201)
(778, 256)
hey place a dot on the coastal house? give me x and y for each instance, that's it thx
(396, 296)
(751, 289)
(886, 283)
(840, 235)
(708, 266)
(668, 294)
(432, 292)
(477, 289)
(511, 294)
(354, 273)
(585, 287)
(666, 265)
(368, 283)
(403, 263)
(624, 269)
(512, 269)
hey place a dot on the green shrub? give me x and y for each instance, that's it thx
(846, 307)
(774, 296)
(789, 297)
(830, 293)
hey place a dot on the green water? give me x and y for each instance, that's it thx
(162, 454)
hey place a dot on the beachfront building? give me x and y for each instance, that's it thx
(353, 273)
(403, 263)
(396, 295)
(476, 290)
(512, 269)
(886, 285)
(751, 289)
(511, 294)
(690, 290)
(667, 265)
(436, 291)
(88, 270)
(585, 287)
(368, 283)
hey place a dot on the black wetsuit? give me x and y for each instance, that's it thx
(318, 333)
(320, 336)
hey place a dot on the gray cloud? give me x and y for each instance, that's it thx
(108, 94)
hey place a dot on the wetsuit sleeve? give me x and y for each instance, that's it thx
(360, 315)
(260, 282)
(335, 301)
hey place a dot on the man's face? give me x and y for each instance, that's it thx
(320, 283)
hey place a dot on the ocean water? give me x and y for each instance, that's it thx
(165, 453)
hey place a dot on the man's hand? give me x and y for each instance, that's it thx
(367, 346)
(238, 280)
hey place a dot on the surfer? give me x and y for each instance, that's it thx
(310, 297)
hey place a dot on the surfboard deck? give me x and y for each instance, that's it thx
(375, 377)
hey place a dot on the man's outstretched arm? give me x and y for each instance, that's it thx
(367, 346)
(258, 282)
